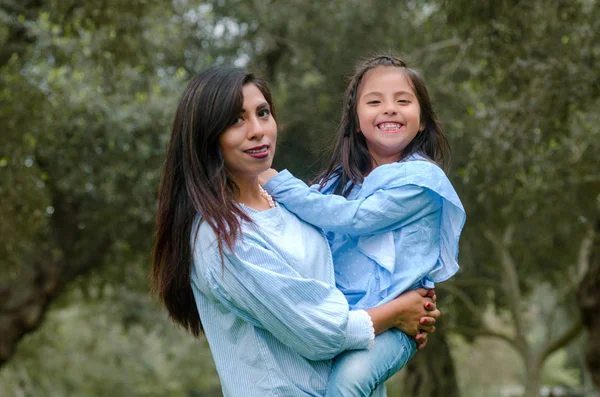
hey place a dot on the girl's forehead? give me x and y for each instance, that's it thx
(385, 78)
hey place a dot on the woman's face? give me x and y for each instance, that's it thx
(248, 146)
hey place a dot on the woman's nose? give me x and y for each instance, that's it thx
(256, 129)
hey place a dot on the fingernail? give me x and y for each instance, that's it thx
(428, 305)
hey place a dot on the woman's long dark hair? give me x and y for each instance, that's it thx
(194, 181)
(351, 159)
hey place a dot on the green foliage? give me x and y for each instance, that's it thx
(88, 93)
(94, 349)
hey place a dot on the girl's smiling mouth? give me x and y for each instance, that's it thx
(389, 126)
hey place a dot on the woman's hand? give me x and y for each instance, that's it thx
(266, 176)
(412, 312)
(426, 321)
(419, 312)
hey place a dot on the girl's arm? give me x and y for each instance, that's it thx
(387, 208)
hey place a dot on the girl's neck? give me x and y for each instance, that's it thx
(377, 160)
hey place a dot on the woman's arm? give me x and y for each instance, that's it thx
(310, 316)
(411, 312)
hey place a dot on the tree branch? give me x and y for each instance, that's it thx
(486, 332)
(561, 341)
(477, 282)
(433, 47)
(462, 296)
(583, 257)
(510, 277)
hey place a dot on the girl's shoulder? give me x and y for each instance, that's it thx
(414, 170)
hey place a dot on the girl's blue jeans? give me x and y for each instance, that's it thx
(362, 373)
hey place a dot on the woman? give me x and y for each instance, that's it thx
(232, 263)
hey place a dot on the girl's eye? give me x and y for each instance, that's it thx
(237, 120)
(403, 101)
(373, 102)
(264, 113)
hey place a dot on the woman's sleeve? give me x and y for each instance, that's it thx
(387, 208)
(307, 315)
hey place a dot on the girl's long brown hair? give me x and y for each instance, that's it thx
(351, 159)
(194, 181)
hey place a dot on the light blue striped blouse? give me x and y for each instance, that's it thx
(397, 231)
(271, 313)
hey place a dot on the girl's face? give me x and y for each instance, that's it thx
(248, 146)
(388, 113)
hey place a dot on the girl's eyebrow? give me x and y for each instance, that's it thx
(377, 93)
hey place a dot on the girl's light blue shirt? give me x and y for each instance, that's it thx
(397, 231)
(270, 310)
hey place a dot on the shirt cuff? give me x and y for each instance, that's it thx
(277, 180)
(360, 333)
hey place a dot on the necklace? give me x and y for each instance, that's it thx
(267, 197)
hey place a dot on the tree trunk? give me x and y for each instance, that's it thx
(533, 378)
(24, 303)
(588, 297)
(431, 372)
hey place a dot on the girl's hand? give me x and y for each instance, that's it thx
(266, 176)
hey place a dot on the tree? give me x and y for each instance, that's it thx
(527, 177)
(84, 126)
(589, 304)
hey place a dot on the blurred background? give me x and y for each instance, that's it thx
(87, 94)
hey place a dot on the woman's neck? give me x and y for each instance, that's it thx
(250, 194)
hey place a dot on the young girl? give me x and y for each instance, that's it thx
(232, 263)
(393, 218)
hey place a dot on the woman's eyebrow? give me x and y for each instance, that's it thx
(263, 106)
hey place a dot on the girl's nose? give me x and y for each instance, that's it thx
(390, 108)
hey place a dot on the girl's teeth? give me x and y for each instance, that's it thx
(389, 126)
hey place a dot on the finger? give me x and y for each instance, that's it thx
(421, 339)
(434, 313)
(422, 291)
(430, 306)
(422, 345)
(427, 321)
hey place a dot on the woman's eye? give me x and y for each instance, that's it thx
(237, 120)
(264, 113)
